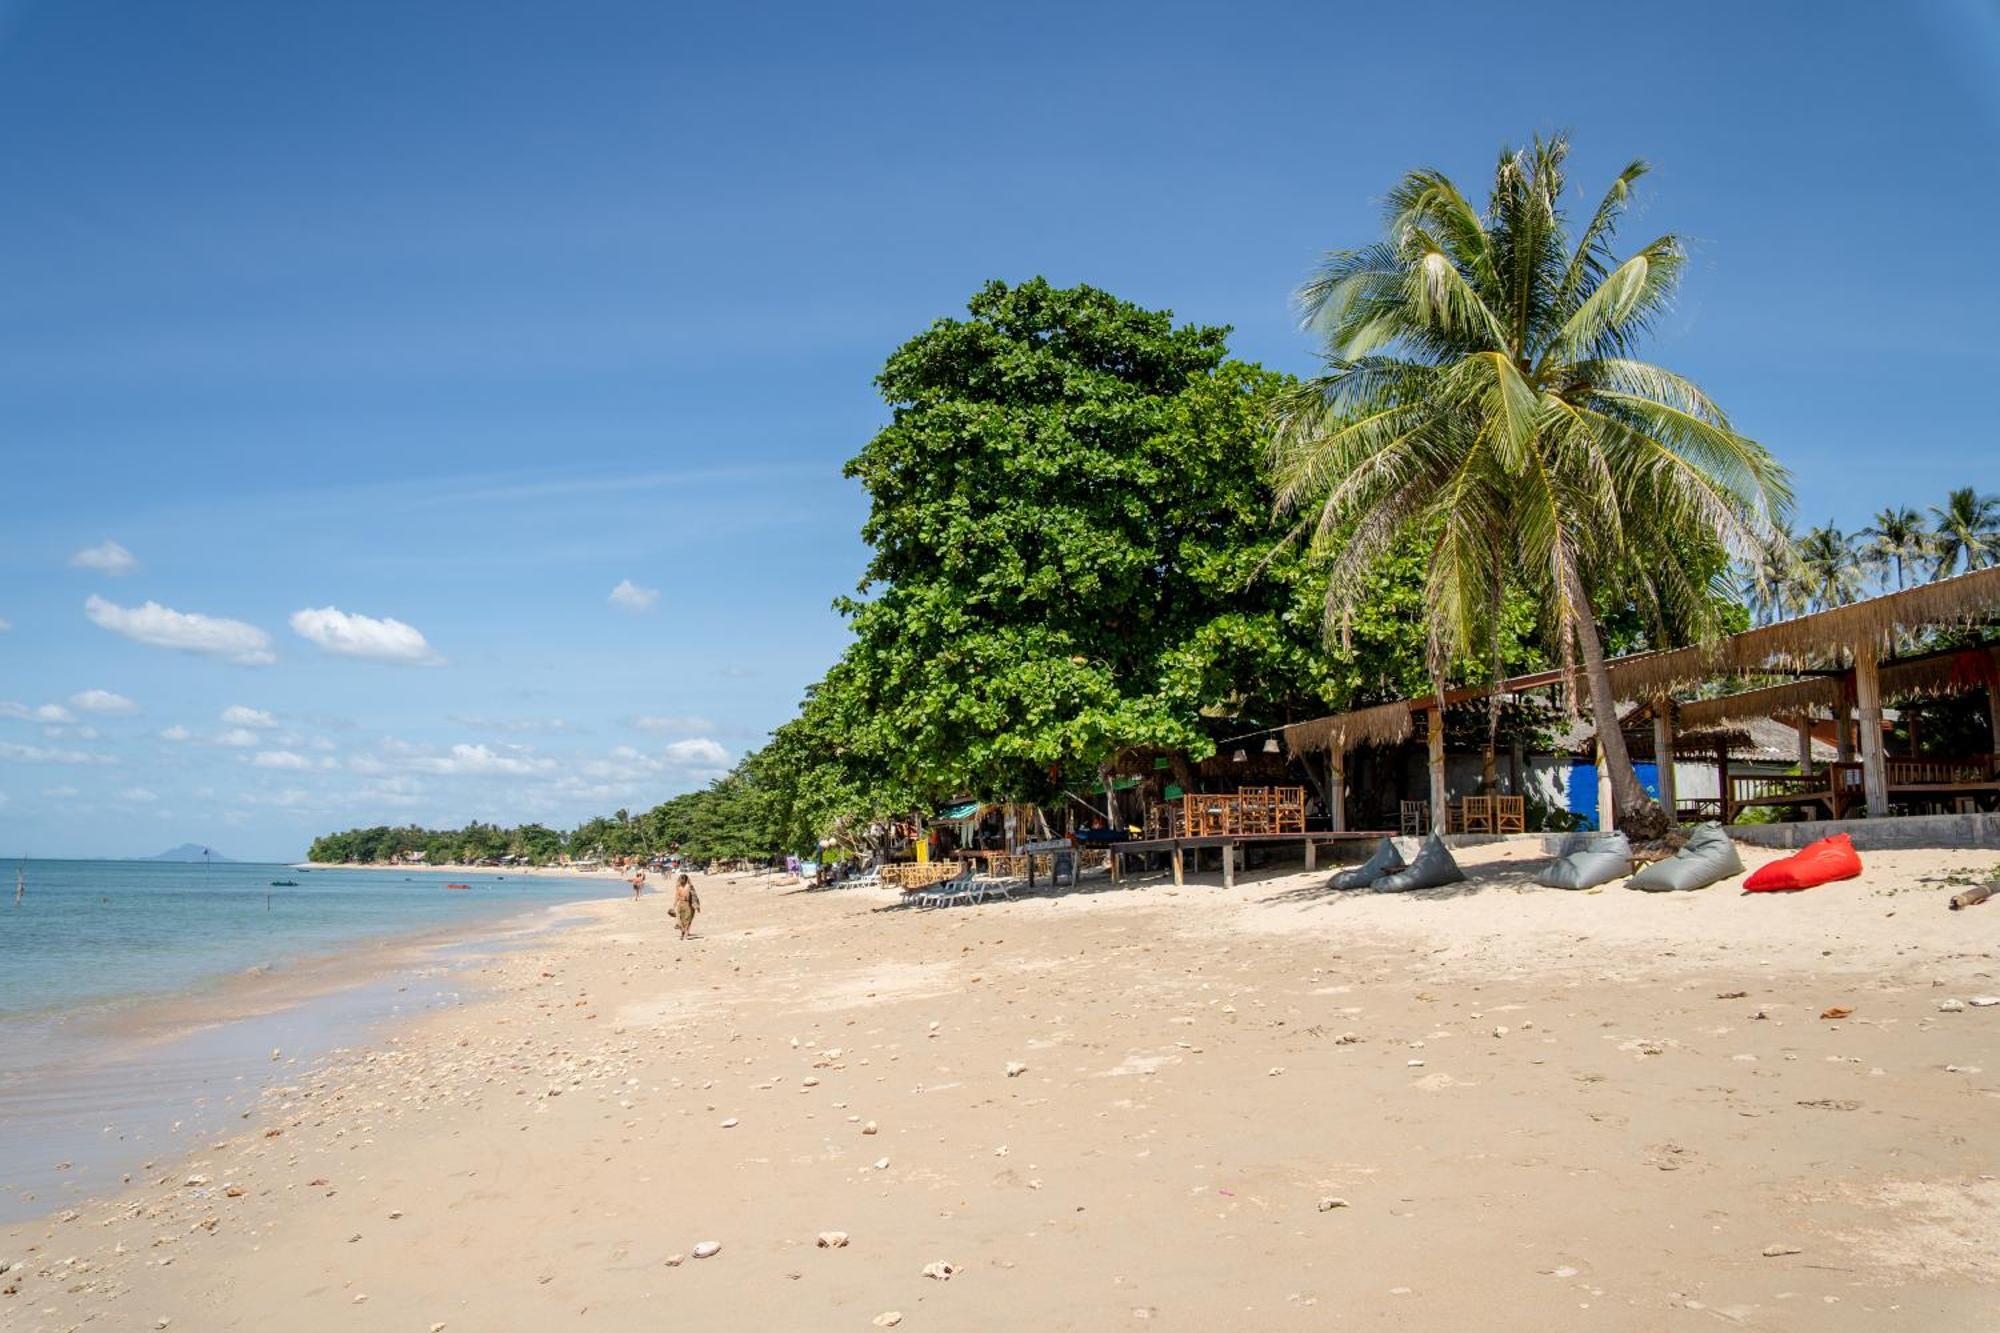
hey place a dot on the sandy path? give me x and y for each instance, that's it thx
(1539, 1108)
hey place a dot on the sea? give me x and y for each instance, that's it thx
(145, 1004)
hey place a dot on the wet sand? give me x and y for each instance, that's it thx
(1491, 1107)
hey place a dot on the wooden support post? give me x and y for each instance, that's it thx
(1868, 719)
(1228, 865)
(1336, 783)
(1843, 717)
(1722, 780)
(1440, 798)
(1993, 713)
(1607, 804)
(1663, 753)
(1180, 866)
(1312, 855)
(1805, 745)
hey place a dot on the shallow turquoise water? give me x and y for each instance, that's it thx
(88, 933)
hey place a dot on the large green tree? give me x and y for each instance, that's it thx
(1070, 535)
(1481, 388)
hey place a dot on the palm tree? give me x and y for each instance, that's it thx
(1965, 528)
(1770, 581)
(1480, 390)
(1829, 568)
(1898, 539)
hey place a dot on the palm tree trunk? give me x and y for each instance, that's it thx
(1638, 814)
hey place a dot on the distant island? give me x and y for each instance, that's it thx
(189, 851)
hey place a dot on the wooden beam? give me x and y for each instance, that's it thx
(1993, 712)
(1607, 804)
(1440, 798)
(1312, 855)
(1663, 753)
(1868, 719)
(1805, 744)
(1228, 865)
(1180, 865)
(1722, 780)
(1336, 784)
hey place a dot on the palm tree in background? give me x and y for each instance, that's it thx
(1481, 389)
(1829, 568)
(1770, 581)
(1899, 539)
(1965, 529)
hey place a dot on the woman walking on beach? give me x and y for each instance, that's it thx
(638, 884)
(686, 903)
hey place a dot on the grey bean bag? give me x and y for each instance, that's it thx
(1432, 868)
(1709, 856)
(1386, 860)
(1607, 856)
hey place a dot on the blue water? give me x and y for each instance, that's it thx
(88, 933)
(86, 1098)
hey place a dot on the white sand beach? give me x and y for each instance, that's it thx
(1495, 1107)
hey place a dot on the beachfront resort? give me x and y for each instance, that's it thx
(1199, 723)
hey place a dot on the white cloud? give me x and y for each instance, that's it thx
(187, 631)
(37, 754)
(629, 596)
(5, 625)
(81, 733)
(139, 794)
(177, 732)
(673, 725)
(280, 759)
(237, 738)
(346, 635)
(512, 725)
(236, 715)
(60, 793)
(106, 557)
(291, 798)
(479, 760)
(697, 752)
(102, 701)
(39, 713)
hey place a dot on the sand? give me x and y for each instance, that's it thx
(1492, 1107)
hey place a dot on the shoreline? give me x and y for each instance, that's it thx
(142, 1067)
(1197, 1072)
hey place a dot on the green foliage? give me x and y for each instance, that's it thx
(1073, 554)
(1481, 390)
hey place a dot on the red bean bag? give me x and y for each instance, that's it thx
(1812, 865)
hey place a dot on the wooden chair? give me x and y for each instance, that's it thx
(1510, 814)
(1416, 818)
(1476, 814)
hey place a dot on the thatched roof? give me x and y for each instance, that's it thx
(1384, 724)
(1751, 740)
(1811, 640)
(1788, 647)
(1787, 700)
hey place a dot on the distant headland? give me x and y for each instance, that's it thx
(190, 851)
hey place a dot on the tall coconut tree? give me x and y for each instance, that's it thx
(1965, 531)
(1769, 580)
(1899, 539)
(1829, 568)
(1481, 388)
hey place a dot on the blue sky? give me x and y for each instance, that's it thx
(402, 335)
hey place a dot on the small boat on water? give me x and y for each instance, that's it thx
(458, 886)
(284, 884)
